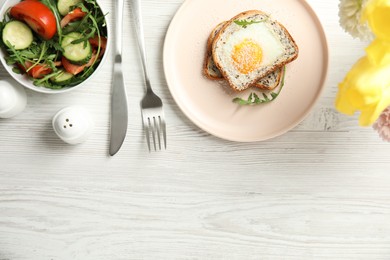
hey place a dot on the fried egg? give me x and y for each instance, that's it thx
(252, 47)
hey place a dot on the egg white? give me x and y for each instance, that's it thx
(260, 34)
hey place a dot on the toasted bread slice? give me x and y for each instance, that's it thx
(277, 50)
(211, 71)
(269, 81)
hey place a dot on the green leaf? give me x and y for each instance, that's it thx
(250, 97)
(240, 101)
(254, 99)
(85, 38)
(245, 23)
(16, 70)
(274, 95)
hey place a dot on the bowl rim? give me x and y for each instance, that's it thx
(26, 82)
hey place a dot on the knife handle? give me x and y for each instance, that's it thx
(119, 27)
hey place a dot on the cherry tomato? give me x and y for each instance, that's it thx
(38, 16)
(72, 16)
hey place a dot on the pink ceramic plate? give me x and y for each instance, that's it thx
(208, 104)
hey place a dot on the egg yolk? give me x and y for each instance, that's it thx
(247, 56)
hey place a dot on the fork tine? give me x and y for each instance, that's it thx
(146, 129)
(164, 132)
(158, 126)
(153, 129)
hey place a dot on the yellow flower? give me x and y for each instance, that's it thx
(365, 88)
(377, 13)
(379, 52)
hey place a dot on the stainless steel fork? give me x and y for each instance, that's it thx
(151, 105)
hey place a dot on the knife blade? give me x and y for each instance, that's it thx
(119, 113)
(119, 110)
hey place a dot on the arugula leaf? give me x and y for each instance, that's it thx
(2, 24)
(15, 58)
(76, 26)
(245, 23)
(86, 37)
(254, 99)
(17, 70)
(43, 52)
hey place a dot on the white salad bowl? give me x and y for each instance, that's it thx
(25, 80)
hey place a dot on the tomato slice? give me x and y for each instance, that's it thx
(26, 65)
(92, 60)
(72, 16)
(56, 63)
(39, 71)
(74, 68)
(95, 43)
(38, 16)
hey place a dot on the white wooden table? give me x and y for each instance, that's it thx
(321, 191)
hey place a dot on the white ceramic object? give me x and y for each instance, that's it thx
(25, 80)
(209, 104)
(73, 124)
(13, 99)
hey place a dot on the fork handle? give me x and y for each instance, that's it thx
(137, 17)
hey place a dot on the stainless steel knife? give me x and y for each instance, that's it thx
(119, 113)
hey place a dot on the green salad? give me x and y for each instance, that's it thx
(56, 43)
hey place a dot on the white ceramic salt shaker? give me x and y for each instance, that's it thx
(13, 99)
(73, 124)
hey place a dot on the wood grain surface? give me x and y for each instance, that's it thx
(321, 191)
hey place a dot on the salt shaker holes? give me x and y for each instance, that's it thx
(73, 124)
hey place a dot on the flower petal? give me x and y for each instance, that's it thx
(366, 87)
(379, 52)
(377, 13)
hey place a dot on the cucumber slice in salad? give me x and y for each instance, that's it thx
(79, 53)
(64, 78)
(64, 5)
(17, 35)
